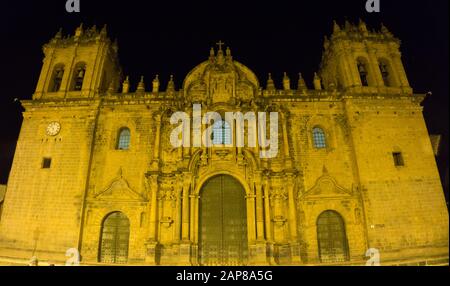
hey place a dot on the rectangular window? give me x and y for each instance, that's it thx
(46, 163)
(398, 159)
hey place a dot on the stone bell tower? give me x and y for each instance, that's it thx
(80, 66)
(359, 60)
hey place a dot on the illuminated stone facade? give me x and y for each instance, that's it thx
(94, 168)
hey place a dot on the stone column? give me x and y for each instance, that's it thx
(351, 61)
(194, 200)
(343, 69)
(237, 138)
(185, 215)
(259, 209)
(250, 200)
(155, 162)
(267, 211)
(374, 68)
(152, 243)
(398, 69)
(185, 244)
(268, 220)
(262, 136)
(287, 157)
(259, 248)
(178, 193)
(295, 253)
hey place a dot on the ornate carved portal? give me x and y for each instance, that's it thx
(223, 223)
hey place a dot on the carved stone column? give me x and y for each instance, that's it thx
(152, 243)
(251, 219)
(187, 178)
(286, 149)
(156, 146)
(398, 70)
(185, 244)
(268, 220)
(193, 227)
(178, 218)
(295, 251)
(259, 209)
(374, 68)
(258, 250)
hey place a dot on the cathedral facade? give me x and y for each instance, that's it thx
(95, 169)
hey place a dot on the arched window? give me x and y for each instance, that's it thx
(386, 73)
(332, 237)
(363, 72)
(114, 240)
(78, 76)
(56, 80)
(123, 140)
(221, 134)
(319, 138)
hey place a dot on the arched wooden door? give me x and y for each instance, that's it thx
(114, 239)
(223, 222)
(332, 238)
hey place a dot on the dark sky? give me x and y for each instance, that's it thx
(168, 37)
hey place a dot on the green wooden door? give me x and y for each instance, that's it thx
(223, 222)
(332, 238)
(114, 239)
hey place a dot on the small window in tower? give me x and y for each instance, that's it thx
(363, 74)
(46, 163)
(398, 159)
(123, 142)
(319, 138)
(79, 74)
(385, 73)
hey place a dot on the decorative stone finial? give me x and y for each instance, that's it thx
(301, 82)
(111, 88)
(103, 31)
(59, 34)
(336, 28)
(126, 85)
(141, 85)
(363, 28)
(270, 83)
(79, 31)
(228, 52)
(317, 82)
(385, 31)
(286, 82)
(171, 84)
(155, 83)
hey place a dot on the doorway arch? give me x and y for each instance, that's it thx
(223, 238)
(114, 239)
(332, 237)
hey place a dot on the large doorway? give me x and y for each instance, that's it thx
(332, 239)
(223, 222)
(114, 239)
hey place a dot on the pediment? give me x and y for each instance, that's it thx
(326, 187)
(119, 190)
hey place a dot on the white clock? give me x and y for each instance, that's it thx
(53, 128)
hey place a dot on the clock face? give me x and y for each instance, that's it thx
(53, 128)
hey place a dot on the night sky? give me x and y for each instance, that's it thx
(172, 37)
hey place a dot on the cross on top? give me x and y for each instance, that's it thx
(220, 43)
